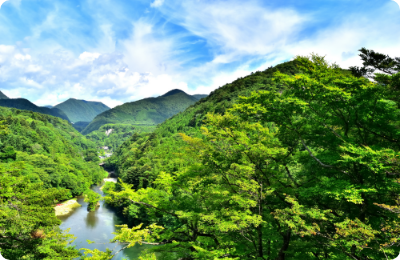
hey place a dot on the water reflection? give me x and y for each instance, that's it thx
(98, 226)
(91, 219)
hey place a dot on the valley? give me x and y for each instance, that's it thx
(299, 161)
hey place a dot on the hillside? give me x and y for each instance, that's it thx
(145, 112)
(81, 110)
(190, 120)
(22, 103)
(113, 135)
(2, 96)
(80, 125)
(43, 160)
(284, 159)
(199, 96)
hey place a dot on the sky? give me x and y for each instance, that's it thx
(124, 50)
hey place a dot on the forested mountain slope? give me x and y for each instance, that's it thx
(131, 166)
(302, 165)
(145, 112)
(199, 96)
(113, 135)
(80, 125)
(81, 110)
(2, 96)
(52, 147)
(22, 103)
(43, 159)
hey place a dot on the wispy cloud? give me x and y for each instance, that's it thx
(122, 51)
(157, 3)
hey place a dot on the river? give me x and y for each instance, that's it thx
(97, 226)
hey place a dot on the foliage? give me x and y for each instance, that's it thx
(304, 168)
(28, 225)
(81, 110)
(91, 155)
(375, 61)
(118, 133)
(79, 126)
(50, 148)
(108, 187)
(92, 198)
(144, 112)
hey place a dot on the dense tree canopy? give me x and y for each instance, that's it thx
(28, 225)
(41, 163)
(304, 170)
(300, 161)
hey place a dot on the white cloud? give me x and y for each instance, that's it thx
(22, 57)
(234, 36)
(236, 28)
(88, 56)
(2, 2)
(157, 3)
(341, 43)
(6, 52)
(145, 52)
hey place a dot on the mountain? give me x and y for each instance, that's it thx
(81, 110)
(113, 135)
(289, 144)
(2, 96)
(80, 125)
(22, 103)
(190, 120)
(199, 96)
(48, 106)
(144, 112)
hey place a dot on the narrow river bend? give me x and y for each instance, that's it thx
(97, 226)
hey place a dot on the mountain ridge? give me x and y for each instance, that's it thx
(3, 96)
(25, 104)
(147, 111)
(79, 110)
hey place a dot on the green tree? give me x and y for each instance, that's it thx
(8, 154)
(373, 61)
(91, 155)
(343, 134)
(92, 198)
(309, 172)
(28, 225)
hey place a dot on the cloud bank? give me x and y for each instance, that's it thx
(123, 51)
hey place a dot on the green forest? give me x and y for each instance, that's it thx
(300, 161)
(81, 110)
(43, 160)
(144, 112)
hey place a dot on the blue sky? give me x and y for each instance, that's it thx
(124, 50)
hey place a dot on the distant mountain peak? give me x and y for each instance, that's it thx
(81, 110)
(173, 92)
(2, 96)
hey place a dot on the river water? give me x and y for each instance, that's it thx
(98, 226)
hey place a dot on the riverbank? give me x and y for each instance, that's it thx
(98, 226)
(108, 180)
(66, 207)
